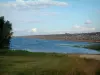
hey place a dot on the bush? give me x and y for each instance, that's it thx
(94, 46)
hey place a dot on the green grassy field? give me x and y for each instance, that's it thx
(28, 63)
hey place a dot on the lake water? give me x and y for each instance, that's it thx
(40, 45)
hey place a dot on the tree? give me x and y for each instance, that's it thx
(5, 33)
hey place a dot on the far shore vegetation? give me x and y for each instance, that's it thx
(94, 46)
(91, 46)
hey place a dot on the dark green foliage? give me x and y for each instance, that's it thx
(94, 46)
(27, 53)
(91, 46)
(5, 33)
(98, 72)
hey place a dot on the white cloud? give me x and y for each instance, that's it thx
(44, 0)
(19, 0)
(21, 32)
(76, 26)
(25, 30)
(32, 4)
(74, 29)
(49, 13)
(28, 21)
(34, 29)
(82, 28)
(88, 22)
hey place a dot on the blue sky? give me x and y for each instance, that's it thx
(33, 17)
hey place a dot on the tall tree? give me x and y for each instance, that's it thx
(5, 33)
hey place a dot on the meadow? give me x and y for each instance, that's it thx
(18, 62)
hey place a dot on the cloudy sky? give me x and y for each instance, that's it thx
(31, 17)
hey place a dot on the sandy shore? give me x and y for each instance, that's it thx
(88, 56)
(96, 57)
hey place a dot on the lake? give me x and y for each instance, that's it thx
(58, 46)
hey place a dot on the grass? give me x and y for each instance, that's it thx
(38, 63)
(94, 46)
(91, 46)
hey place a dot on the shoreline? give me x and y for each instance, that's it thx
(93, 41)
(72, 37)
(28, 53)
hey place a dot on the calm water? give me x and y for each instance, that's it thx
(39, 45)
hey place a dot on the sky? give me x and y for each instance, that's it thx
(39, 17)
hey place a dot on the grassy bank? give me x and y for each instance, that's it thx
(94, 46)
(91, 46)
(39, 63)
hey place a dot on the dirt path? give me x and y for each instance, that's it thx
(96, 57)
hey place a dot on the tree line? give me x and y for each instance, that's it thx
(5, 33)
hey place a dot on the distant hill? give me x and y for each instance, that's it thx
(90, 37)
